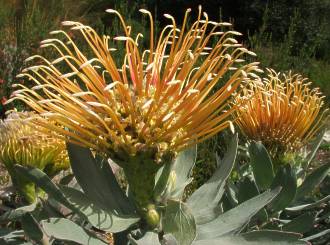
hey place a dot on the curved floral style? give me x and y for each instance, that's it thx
(166, 97)
(283, 112)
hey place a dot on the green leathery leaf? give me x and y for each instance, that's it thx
(301, 224)
(261, 164)
(31, 228)
(308, 206)
(99, 218)
(317, 235)
(150, 238)
(64, 229)
(235, 219)
(179, 221)
(276, 236)
(286, 178)
(18, 213)
(247, 190)
(256, 238)
(16, 237)
(97, 180)
(183, 165)
(230, 195)
(169, 239)
(312, 180)
(12, 234)
(179, 190)
(205, 200)
(44, 182)
(162, 178)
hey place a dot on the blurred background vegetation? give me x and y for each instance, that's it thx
(286, 34)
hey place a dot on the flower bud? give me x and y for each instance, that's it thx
(152, 216)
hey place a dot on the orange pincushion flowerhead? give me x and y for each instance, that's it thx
(166, 97)
(283, 112)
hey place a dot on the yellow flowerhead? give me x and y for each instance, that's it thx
(283, 112)
(22, 143)
(165, 98)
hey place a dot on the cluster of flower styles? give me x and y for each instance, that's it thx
(282, 111)
(166, 97)
(27, 144)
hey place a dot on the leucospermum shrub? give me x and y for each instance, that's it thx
(147, 114)
(22, 143)
(145, 110)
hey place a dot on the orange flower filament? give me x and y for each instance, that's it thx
(283, 112)
(165, 97)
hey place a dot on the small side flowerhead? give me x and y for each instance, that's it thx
(22, 142)
(159, 99)
(282, 111)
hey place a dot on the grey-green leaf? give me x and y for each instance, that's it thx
(235, 219)
(308, 206)
(18, 213)
(16, 237)
(179, 221)
(205, 200)
(64, 229)
(9, 234)
(31, 228)
(301, 224)
(99, 218)
(247, 190)
(169, 239)
(276, 236)
(261, 164)
(312, 180)
(161, 181)
(286, 178)
(256, 238)
(183, 165)
(317, 235)
(44, 182)
(150, 238)
(97, 180)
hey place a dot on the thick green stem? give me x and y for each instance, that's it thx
(140, 173)
(24, 186)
